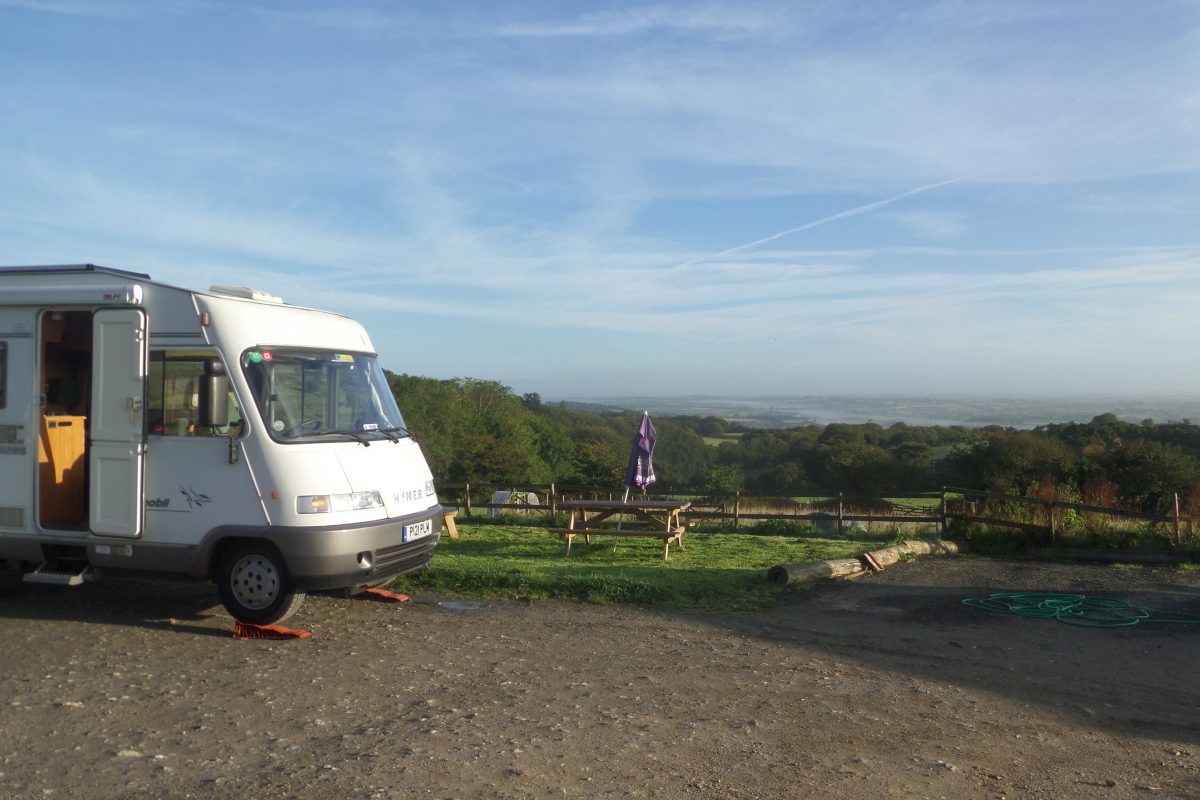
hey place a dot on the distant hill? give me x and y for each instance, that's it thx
(785, 412)
(596, 408)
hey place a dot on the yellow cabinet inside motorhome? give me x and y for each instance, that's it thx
(62, 443)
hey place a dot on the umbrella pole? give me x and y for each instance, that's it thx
(623, 500)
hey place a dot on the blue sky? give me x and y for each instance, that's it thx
(586, 199)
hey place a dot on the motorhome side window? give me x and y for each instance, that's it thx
(176, 393)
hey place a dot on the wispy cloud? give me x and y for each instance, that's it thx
(930, 224)
(866, 208)
(77, 8)
(782, 295)
(636, 20)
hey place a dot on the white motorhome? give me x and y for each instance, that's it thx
(223, 434)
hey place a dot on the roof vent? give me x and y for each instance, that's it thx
(246, 293)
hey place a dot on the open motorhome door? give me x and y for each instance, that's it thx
(118, 429)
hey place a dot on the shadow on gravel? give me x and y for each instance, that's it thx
(911, 621)
(177, 606)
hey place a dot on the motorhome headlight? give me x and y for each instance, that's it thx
(325, 503)
(363, 500)
(312, 504)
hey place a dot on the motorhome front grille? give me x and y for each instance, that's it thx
(401, 557)
(12, 517)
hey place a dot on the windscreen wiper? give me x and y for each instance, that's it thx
(404, 432)
(355, 435)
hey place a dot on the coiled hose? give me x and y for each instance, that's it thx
(1075, 609)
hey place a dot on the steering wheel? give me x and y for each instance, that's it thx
(303, 426)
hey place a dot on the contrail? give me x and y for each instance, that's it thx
(850, 212)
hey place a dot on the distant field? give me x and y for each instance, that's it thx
(717, 441)
(717, 570)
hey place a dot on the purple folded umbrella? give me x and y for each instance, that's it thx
(640, 472)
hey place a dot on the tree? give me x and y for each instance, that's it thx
(840, 433)
(1014, 461)
(485, 458)
(861, 468)
(475, 430)
(597, 465)
(721, 482)
(1148, 475)
(430, 409)
(554, 447)
(787, 478)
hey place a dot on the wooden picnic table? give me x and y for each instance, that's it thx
(656, 518)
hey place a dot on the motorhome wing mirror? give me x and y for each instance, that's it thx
(214, 402)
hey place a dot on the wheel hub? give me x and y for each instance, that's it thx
(255, 581)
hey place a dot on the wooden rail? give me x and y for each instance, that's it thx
(954, 504)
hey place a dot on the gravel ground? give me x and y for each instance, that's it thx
(883, 687)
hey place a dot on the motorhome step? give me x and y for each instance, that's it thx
(45, 574)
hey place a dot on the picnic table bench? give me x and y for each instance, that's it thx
(656, 518)
(448, 515)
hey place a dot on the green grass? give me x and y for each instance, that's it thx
(716, 570)
(932, 503)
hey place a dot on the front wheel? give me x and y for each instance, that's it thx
(255, 585)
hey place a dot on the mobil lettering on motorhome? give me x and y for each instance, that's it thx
(222, 434)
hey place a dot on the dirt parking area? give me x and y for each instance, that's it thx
(884, 687)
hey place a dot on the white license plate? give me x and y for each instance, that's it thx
(417, 530)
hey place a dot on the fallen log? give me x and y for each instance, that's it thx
(848, 568)
(890, 555)
(815, 570)
(947, 547)
(887, 556)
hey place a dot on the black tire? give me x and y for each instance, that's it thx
(255, 585)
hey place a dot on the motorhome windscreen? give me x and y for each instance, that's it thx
(306, 395)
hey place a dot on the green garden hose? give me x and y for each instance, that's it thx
(1074, 609)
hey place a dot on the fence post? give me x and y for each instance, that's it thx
(1050, 515)
(553, 504)
(737, 507)
(1175, 520)
(467, 498)
(943, 511)
(839, 513)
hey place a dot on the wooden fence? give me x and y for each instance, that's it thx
(990, 508)
(827, 509)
